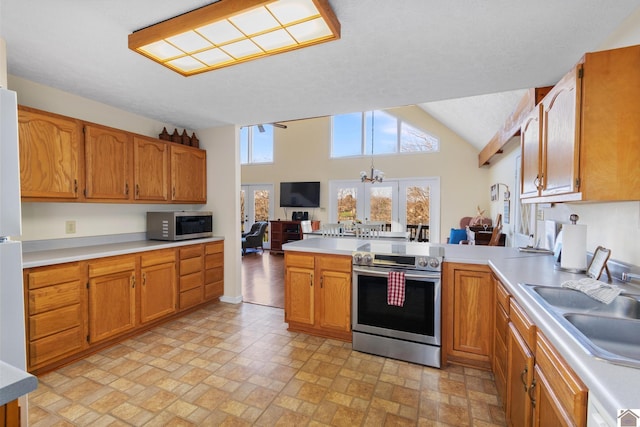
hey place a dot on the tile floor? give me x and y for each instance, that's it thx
(238, 365)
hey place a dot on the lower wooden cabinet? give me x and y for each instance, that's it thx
(538, 388)
(158, 287)
(112, 297)
(318, 294)
(56, 312)
(467, 313)
(10, 414)
(74, 308)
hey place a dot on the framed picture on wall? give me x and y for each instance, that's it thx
(494, 192)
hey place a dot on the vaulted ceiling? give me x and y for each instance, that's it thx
(391, 53)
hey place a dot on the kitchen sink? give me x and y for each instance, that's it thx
(572, 300)
(610, 332)
(617, 336)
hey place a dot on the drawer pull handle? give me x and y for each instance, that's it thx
(523, 377)
(532, 396)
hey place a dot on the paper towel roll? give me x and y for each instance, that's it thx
(574, 247)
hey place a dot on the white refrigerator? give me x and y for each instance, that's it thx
(12, 326)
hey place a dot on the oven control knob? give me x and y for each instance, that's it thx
(357, 258)
(367, 259)
(422, 262)
(434, 263)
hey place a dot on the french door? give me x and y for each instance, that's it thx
(256, 204)
(398, 203)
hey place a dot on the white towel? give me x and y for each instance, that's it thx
(596, 289)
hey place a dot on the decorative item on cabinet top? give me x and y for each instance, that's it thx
(178, 138)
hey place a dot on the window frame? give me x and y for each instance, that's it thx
(251, 146)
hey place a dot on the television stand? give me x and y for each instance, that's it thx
(287, 231)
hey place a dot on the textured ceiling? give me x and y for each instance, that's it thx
(391, 53)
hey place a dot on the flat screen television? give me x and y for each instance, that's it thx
(300, 194)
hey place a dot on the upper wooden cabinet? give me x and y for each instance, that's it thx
(108, 163)
(188, 174)
(51, 164)
(151, 169)
(67, 160)
(589, 136)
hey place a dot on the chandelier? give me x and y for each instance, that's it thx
(375, 175)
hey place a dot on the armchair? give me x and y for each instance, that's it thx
(254, 237)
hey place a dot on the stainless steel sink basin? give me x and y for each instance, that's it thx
(618, 336)
(572, 300)
(608, 331)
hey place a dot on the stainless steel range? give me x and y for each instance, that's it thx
(410, 332)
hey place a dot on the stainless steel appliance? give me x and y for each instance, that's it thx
(180, 225)
(411, 332)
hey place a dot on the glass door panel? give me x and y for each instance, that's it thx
(256, 204)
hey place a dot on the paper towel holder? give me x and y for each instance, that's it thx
(557, 251)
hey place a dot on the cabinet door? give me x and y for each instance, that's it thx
(214, 270)
(158, 292)
(468, 301)
(299, 298)
(519, 379)
(560, 138)
(50, 155)
(151, 169)
(531, 154)
(112, 297)
(107, 162)
(334, 300)
(188, 174)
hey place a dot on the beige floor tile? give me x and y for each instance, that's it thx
(237, 365)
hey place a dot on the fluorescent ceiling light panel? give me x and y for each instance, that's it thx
(229, 32)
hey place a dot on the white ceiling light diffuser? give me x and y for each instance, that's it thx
(229, 32)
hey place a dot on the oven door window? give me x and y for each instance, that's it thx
(416, 316)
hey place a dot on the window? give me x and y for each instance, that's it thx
(256, 144)
(351, 136)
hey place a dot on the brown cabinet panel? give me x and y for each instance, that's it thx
(108, 163)
(55, 346)
(151, 169)
(190, 266)
(519, 379)
(191, 297)
(112, 298)
(190, 251)
(468, 299)
(50, 155)
(190, 281)
(334, 304)
(531, 154)
(54, 321)
(158, 292)
(214, 260)
(299, 306)
(188, 174)
(47, 276)
(52, 297)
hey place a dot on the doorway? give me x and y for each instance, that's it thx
(256, 204)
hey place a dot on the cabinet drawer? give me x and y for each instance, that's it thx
(190, 281)
(502, 296)
(214, 260)
(51, 322)
(111, 266)
(334, 263)
(501, 354)
(214, 289)
(54, 346)
(53, 297)
(191, 265)
(53, 276)
(502, 323)
(214, 248)
(569, 390)
(190, 252)
(157, 257)
(500, 369)
(523, 324)
(190, 298)
(213, 275)
(293, 259)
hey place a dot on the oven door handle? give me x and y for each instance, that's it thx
(385, 273)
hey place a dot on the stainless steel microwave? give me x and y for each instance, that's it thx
(181, 225)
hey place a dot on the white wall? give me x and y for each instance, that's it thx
(301, 153)
(613, 225)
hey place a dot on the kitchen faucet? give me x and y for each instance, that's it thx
(627, 277)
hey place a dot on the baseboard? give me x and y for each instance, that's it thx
(231, 300)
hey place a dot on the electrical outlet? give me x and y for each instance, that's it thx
(70, 227)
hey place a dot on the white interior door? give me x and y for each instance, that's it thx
(256, 204)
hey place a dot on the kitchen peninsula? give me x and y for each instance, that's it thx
(609, 386)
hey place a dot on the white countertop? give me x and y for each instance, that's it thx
(614, 386)
(14, 383)
(61, 255)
